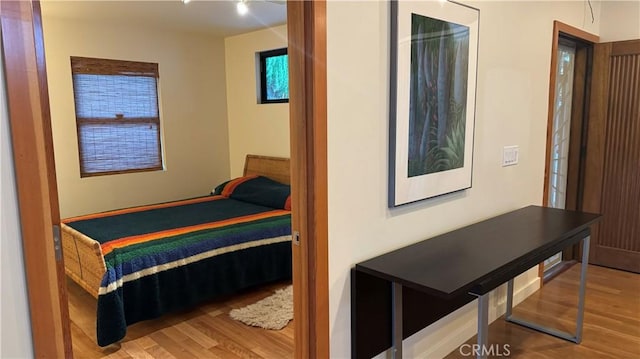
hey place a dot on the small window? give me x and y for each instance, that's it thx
(274, 76)
(117, 116)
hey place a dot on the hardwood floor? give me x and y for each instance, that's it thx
(611, 325)
(204, 332)
(611, 319)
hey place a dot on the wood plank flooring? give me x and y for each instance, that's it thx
(204, 332)
(611, 325)
(611, 319)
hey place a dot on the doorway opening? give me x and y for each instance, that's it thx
(29, 113)
(569, 91)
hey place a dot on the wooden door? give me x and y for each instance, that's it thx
(612, 177)
(28, 100)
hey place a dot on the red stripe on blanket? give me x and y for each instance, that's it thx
(123, 242)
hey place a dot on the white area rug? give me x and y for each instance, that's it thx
(273, 312)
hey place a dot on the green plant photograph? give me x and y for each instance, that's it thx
(438, 95)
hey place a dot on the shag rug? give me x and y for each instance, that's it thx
(273, 312)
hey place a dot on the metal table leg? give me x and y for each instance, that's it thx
(483, 326)
(577, 338)
(396, 303)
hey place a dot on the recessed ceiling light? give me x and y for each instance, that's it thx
(242, 7)
(186, 1)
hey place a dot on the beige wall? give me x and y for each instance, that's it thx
(512, 95)
(620, 20)
(192, 112)
(254, 128)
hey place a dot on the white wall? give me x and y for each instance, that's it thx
(192, 112)
(620, 20)
(15, 330)
(254, 128)
(512, 95)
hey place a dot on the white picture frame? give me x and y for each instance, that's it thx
(434, 50)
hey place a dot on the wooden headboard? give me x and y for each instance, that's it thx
(276, 168)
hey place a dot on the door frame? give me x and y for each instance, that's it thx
(308, 133)
(28, 102)
(27, 96)
(559, 29)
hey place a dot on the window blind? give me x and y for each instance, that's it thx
(117, 116)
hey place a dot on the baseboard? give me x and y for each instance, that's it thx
(450, 332)
(519, 294)
(557, 269)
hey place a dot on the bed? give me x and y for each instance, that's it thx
(145, 261)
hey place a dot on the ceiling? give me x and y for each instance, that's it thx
(215, 17)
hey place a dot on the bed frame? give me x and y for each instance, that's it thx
(83, 259)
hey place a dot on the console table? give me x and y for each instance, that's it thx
(450, 270)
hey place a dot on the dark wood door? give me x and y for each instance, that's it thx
(612, 174)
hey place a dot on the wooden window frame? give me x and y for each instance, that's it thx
(111, 67)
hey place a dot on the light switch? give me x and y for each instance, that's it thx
(509, 156)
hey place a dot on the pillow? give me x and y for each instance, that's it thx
(257, 190)
(218, 190)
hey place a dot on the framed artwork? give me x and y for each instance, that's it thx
(434, 51)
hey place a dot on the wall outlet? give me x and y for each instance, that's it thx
(509, 156)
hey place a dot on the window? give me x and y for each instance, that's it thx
(274, 76)
(558, 172)
(117, 116)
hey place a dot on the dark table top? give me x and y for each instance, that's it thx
(481, 256)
